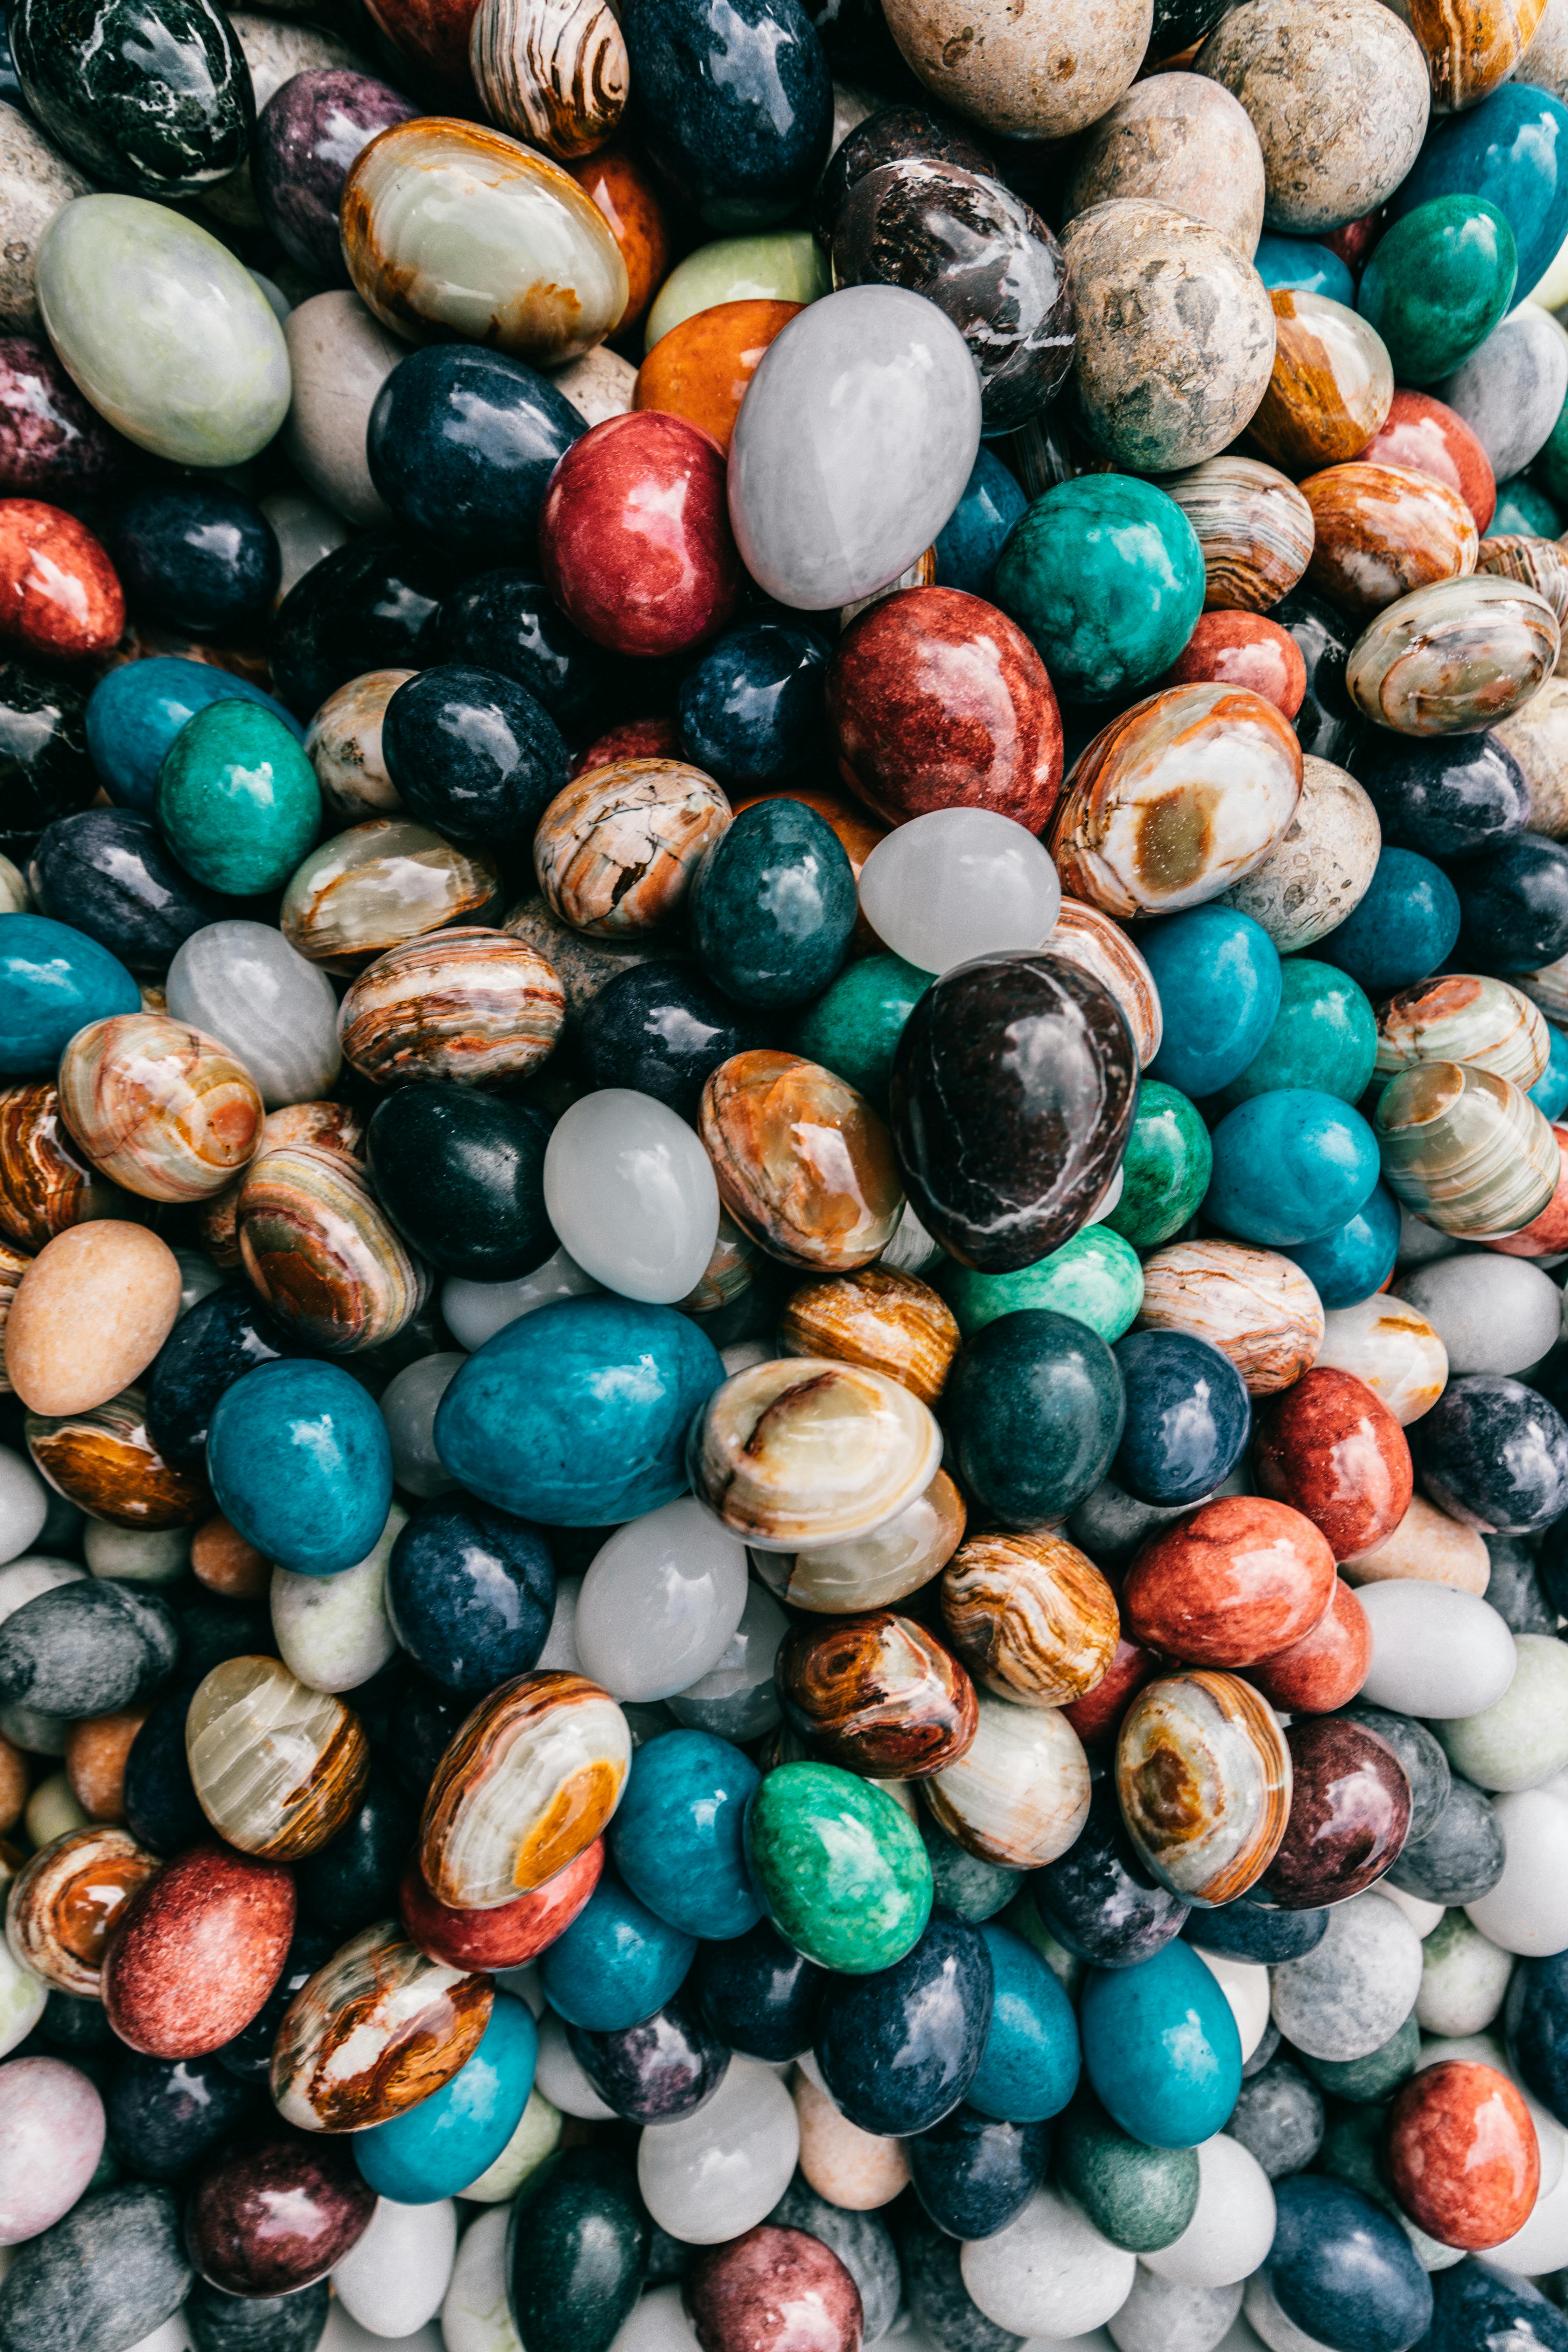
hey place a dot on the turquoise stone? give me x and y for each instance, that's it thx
(166, 332)
(855, 1025)
(1511, 150)
(1140, 2197)
(617, 1962)
(1521, 506)
(971, 540)
(135, 714)
(1097, 1278)
(1290, 1166)
(1438, 283)
(677, 1835)
(1356, 1258)
(1105, 575)
(840, 1867)
(300, 1462)
(1166, 1170)
(1028, 2068)
(576, 1414)
(1324, 1036)
(436, 2149)
(1160, 2048)
(1217, 973)
(1550, 1092)
(238, 801)
(53, 981)
(1298, 264)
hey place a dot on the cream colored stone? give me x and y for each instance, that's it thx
(1428, 1547)
(847, 2166)
(1183, 139)
(90, 1315)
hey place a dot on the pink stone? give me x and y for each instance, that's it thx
(52, 2137)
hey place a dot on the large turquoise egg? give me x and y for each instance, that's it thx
(436, 2149)
(300, 1462)
(1106, 576)
(53, 981)
(238, 801)
(1160, 2048)
(166, 332)
(1290, 1166)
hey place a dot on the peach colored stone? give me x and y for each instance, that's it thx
(13, 1785)
(90, 1315)
(847, 2166)
(226, 1563)
(1427, 1546)
(97, 1747)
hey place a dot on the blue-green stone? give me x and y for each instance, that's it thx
(1324, 1036)
(1166, 1170)
(238, 801)
(1097, 1278)
(1105, 575)
(840, 1867)
(855, 1025)
(1140, 2197)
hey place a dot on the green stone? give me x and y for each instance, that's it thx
(1522, 508)
(854, 1026)
(961, 1882)
(238, 801)
(1140, 2198)
(787, 266)
(840, 1867)
(1377, 2075)
(1097, 1278)
(577, 2250)
(1324, 1036)
(1166, 1170)
(1439, 281)
(1104, 574)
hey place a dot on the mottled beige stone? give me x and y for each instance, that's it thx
(1183, 139)
(1024, 68)
(90, 1315)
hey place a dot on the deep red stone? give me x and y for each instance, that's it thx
(1350, 1814)
(773, 2290)
(196, 1950)
(635, 535)
(270, 2219)
(1235, 1581)
(1430, 438)
(59, 593)
(1326, 1667)
(1098, 1714)
(1243, 649)
(1463, 2158)
(1333, 1450)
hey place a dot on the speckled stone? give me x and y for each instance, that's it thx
(1185, 142)
(111, 2273)
(993, 67)
(1347, 1996)
(35, 183)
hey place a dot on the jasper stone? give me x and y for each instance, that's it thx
(197, 1952)
(272, 2219)
(1337, 1453)
(776, 2291)
(1238, 1580)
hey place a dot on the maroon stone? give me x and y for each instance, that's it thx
(270, 2219)
(1349, 1814)
(1333, 1450)
(773, 2291)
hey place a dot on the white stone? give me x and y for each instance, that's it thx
(1246, 1987)
(958, 882)
(1527, 1910)
(1492, 1313)
(475, 1311)
(716, 2173)
(408, 1405)
(1351, 1991)
(1435, 1651)
(1162, 2315)
(137, 1555)
(23, 1504)
(474, 2313)
(660, 1602)
(632, 1194)
(1233, 2227)
(1522, 1738)
(333, 1631)
(1049, 2272)
(561, 2079)
(395, 2278)
(1464, 1978)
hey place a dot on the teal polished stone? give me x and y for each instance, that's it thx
(1097, 1278)
(677, 1835)
(1217, 973)
(1160, 2048)
(166, 332)
(53, 981)
(436, 2149)
(616, 1963)
(840, 1867)
(1512, 151)
(135, 712)
(1028, 2068)
(300, 1462)
(1439, 282)
(961, 1882)
(576, 2252)
(853, 1028)
(1298, 264)
(238, 801)
(1289, 1167)
(1105, 575)
(1550, 1092)
(1166, 1170)
(772, 906)
(576, 1415)
(1324, 1036)
(1522, 506)
(1140, 2197)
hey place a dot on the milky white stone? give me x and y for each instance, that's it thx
(1435, 1651)
(1232, 2230)
(1048, 2273)
(475, 1311)
(333, 1631)
(1493, 1314)
(959, 883)
(1527, 1910)
(632, 1194)
(660, 1602)
(396, 2276)
(716, 2173)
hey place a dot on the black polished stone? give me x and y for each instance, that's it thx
(162, 1811)
(505, 621)
(750, 708)
(735, 102)
(892, 135)
(576, 2252)
(165, 2114)
(759, 1994)
(1493, 1454)
(461, 1175)
(151, 98)
(1328, 723)
(354, 1876)
(45, 770)
(1513, 906)
(662, 1029)
(1446, 796)
(473, 754)
(374, 604)
(975, 2175)
(461, 443)
(107, 872)
(1098, 1901)
(198, 555)
(1033, 1411)
(223, 1337)
(660, 2071)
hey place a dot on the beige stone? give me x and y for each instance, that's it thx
(1183, 140)
(1429, 1548)
(1537, 735)
(849, 2167)
(90, 1315)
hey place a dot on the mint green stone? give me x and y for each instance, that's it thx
(167, 333)
(840, 1867)
(1166, 1170)
(1439, 281)
(1324, 1036)
(1140, 2198)
(788, 266)
(853, 1028)
(1097, 1278)
(236, 800)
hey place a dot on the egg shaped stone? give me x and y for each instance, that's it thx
(1392, 1347)
(1381, 531)
(301, 1465)
(53, 2131)
(277, 1768)
(1138, 831)
(268, 2219)
(1232, 1582)
(1203, 1775)
(65, 1901)
(59, 594)
(1453, 657)
(998, 73)
(1322, 866)
(1104, 574)
(1326, 1667)
(510, 1935)
(1031, 1616)
(878, 1695)
(160, 122)
(1254, 527)
(451, 228)
(197, 1952)
(103, 1460)
(529, 1782)
(875, 1571)
(556, 78)
(838, 1866)
(741, 125)
(38, 183)
(890, 1322)
(1463, 2156)
(1161, 2047)
(1339, 1454)
(321, 1254)
(46, 1186)
(1332, 383)
(164, 331)
(1466, 1149)
(464, 1003)
(1099, 946)
(803, 1163)
(771, 2287)
(158, 1107)
(899, 2049)
(805, 1450)
(1349, 1818)
(374, 2032)
(343, 745)
(1253, 1304)
(1018, 1796)
(89, 1315)
(615, 852)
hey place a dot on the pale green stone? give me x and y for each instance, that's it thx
(166, 332)
(537, 2135)
(788, 266)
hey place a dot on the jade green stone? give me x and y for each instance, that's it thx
(1376, 2076)
(1521, 506)
(854, 1026)
(1105, 575)
(238, 801)
(1439, 281)
(1324, 1036)
(787, 267)
(961, 1882)
(1097, 1278)
(1140, 2198)
(1166, 1170)
(166, 332)
(840, 1867)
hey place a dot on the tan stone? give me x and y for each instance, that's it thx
(1427, 1546)
(90, 1315)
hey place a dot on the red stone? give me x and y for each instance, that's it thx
(1357, 241)
(937, 700)
(1238, 1580)
(1326, 1667)
(270, 2219)
(1463, 2159)
(1349, 1814)
(1430, 438)
(634, 739)
(514, 1932)
(1097, 1715)
(1243, 649)
(1335, 1452)
(773, 2291)
(635, 535)
(59, 593)
(197, 1951)
(430, 33)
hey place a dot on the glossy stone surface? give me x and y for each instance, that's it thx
(277, 1768)
(1031, 1616)
(1460, 243)
(1243, 649)
(827, 1206)
(333, 1504)
(1203, 1775)
(268, 2219)
(1321, 1164)
(759, 1994)
(1166, 1167)
(1332, 387)
(839, 1867)
(777, 2289)
(158, 131)
(1324, 2227)
(1106, 577)
(1161, 2047)
(1338, 1453)
(1035, 1412)
(164, 329)
(373, 2033)
(63, 1905)
(1219, 974)
(661, 1029)
(751, 709)
(821, 516)
(877, 1696)
(307, 134)
(530, 1779)
(472, 753)
(197, 1951)
(53, 979)
(1100, 1901)
(702, 369)
(1139, 2197)
(535, 273)
(54, 2138)
(89, 1646)
(899, 2047)
(1454, 657)
(630, 581)
(677, 1836)
(89, 1313)
(320, 1252)
(1238, 1581)
(1188, 1418)
(465, 1004)
(1466, 1149)
(804, 1450)
(504, 620)
(1349, 1814)
(237, 800)
(616, 851)
(1463, 2160)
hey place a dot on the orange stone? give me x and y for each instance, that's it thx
(702, 369)
(624, 191)
(226, 1563)
(1463, 2159)
(90, 1315)
(97, 1748)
